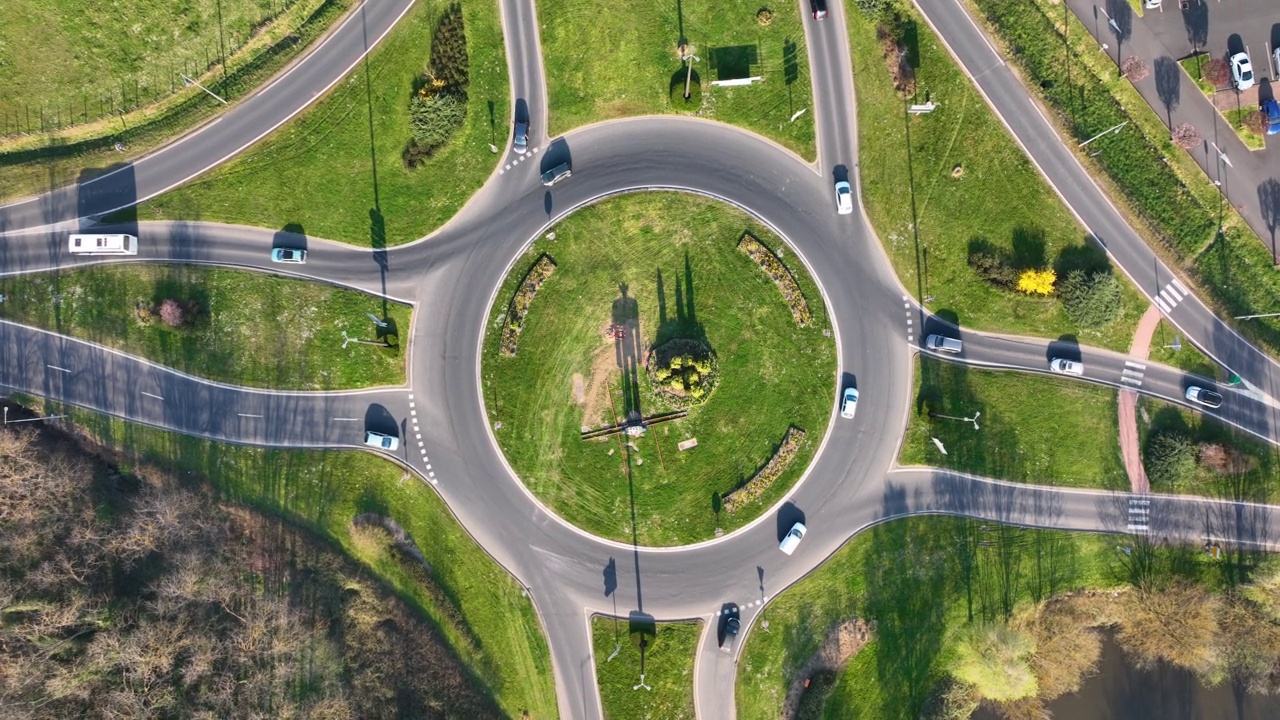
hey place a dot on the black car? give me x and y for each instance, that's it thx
(730, 625)
(819, 9)
(520, 142)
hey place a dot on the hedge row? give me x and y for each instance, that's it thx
(1087, 108)
(521, 301)
(755, 487)
(781, 276)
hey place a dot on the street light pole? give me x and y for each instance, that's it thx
(973, 419)
(1263, 315)
(1109, 130)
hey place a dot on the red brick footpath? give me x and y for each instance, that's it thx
(1129, 447)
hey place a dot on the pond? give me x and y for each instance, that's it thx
(1120, 691)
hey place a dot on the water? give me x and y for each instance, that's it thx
(1120, 691)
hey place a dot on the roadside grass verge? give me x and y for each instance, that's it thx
(244, 328)
(482, 611)
(1250, 470)
(1194, 67)
(1187, 357)
(133, 106)
(1236, 118)
(1168, 196)
(1033, 428)
(667, 662)
(973, 188)
(344, 177)
(920, 580)
(670, 260)
(641, 72)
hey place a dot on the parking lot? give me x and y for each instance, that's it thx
(1220, 28)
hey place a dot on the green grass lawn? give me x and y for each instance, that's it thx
(668, 669)
(675, 257)
(1186, 357)
(1033, 428)
(479, 609)
(1253, 140)
(251, 328)
(1193, 66)
(346, 179)
(997, 199)
(611, 60)
(90, 75)
(1256, 477)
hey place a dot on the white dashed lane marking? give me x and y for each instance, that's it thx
(417, 435)
(1139, 514)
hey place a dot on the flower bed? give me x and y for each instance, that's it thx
(757, 485)
(781, 276)
(523, 298)
(682, 371)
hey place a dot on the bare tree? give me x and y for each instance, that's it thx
(1186, 136)
(1135, 68)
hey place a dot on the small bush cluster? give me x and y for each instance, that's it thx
(1170, 459)
(764, 17)
(1092, 300)
(439, 104)
(994, 267)
(1037, 282)
(755, 487)
(682, 370)
(896, 56)
(781, 277)
(174, 313)
(521, 301)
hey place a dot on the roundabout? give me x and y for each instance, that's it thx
(446, 415)
(653, 373)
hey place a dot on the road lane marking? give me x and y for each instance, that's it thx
(1181, 287)
(1164, 308)
(144, 392)
(248, 415)
(59, 369)
(1173, 291)
(1135, 365)
(347, 419)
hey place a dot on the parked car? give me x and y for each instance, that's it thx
(1151, 4)
(1064, 366)
(819, 9)
(556, 174)
(1242, 71)
(520, 142)
(1207, 398)
(381, 441)
(289, 255)
(793, 538)
(844, 198)
(850, 404)
(1271, 109)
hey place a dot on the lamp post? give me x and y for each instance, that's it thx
(1263, 315)
(347, 339)
(973, 419)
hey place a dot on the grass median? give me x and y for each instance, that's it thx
(667, 659)
(641, 72)
(1033, 428)
(344, 173)
(943, 187)
(81, 96)
(633, 276)
(478, 608)
(234, 326)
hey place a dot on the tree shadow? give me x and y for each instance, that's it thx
(1086, 257)
(1168, 85)
(1028, 248)
(625, 317)
(1269, 205)
(1195, 19)
(685, 324)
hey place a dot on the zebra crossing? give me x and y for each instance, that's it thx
(1132, 373)
(1170, 295)
(1139, 514)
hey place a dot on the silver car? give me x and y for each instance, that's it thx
(289, 255)
(850, 404)
(381, 441)
(1064, 366)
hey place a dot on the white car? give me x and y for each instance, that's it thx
(1242, 71)
(850, 404)
(793, 538)
(1063, 366)
(288, 255)
(844, 198)
(1205, 397)
(380, 441)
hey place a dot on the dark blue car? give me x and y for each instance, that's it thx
(1271, 109)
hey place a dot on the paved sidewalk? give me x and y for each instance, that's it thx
(1249, 181)
(1129, 448)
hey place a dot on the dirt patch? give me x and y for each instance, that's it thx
(579, 389)
(595, 403)
(843, 641)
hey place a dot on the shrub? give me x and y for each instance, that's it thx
(1256, 122)
(1091, 300)
(781, 277)
(1170, 458)
(764, 17)
(520, 302)
(994, 268)
(434, 117)
(174, 313)
(449, 63)
(755, 487)
(1037, 282)
(875, 9)
(995, 660)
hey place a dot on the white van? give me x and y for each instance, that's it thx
(940, 343)
(104, 245)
